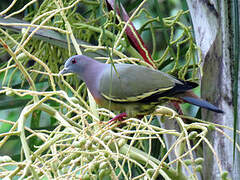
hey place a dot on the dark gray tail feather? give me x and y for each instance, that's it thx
(201, 103)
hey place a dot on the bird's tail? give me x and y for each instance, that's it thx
(201, 103)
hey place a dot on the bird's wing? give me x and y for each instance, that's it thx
(133, 83)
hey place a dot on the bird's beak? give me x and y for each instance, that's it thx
(64, 71)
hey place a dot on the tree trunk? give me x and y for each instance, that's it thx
(213, 32)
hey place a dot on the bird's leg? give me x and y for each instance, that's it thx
(119, 117)
(177, 106)
(179, 110)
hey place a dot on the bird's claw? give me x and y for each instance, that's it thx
(119, 117)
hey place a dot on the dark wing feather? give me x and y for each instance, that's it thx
(177, 89)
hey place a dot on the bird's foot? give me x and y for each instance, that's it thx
(119, 117)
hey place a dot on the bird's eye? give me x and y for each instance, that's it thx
(74, 61)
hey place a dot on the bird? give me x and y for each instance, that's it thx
(133, 90)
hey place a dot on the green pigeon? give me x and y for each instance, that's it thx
(132, 89)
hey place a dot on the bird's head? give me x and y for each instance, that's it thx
(75, 64)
